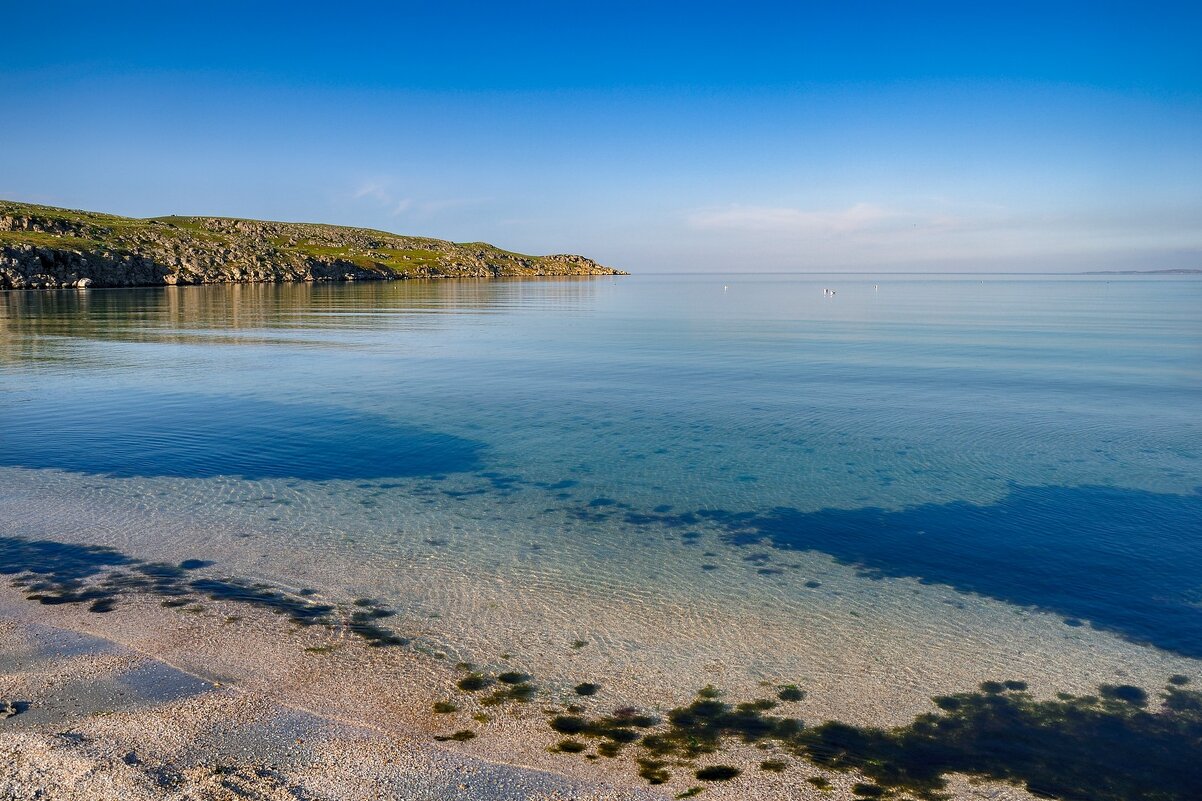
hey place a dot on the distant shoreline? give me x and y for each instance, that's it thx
(1141, 272)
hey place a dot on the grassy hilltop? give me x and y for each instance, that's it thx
(47, 247)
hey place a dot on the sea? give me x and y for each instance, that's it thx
(879, 487)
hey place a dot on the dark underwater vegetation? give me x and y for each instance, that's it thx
(63, 573)
(205, 436)
(1116, 745)
(1127, 561)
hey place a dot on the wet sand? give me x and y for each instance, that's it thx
(100, 720)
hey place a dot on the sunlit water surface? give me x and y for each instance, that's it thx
(917, 481)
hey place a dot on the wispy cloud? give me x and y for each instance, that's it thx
(372, 189)
(379, 192)
(858, 219)
(928, 230)
(397, 204)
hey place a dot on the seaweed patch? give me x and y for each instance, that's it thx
(64, 573)
(1065, 748)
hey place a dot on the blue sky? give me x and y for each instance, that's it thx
(706, 137)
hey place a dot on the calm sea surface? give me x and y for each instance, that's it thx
(922, 452)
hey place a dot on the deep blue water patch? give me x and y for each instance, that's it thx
(1127, 561)
(126, 434)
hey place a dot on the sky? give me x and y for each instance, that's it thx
(655, 137)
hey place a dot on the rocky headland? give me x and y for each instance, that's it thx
(42, 247)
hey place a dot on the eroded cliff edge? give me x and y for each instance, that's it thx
(42, 247)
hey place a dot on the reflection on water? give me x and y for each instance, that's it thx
(258, 313)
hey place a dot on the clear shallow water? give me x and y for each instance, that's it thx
(716, 451)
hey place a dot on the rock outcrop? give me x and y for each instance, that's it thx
(42, 247)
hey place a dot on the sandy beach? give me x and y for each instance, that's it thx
(99, 720)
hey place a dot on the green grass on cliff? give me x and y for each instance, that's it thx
(40, 239)
(230, 240)
(400, 261)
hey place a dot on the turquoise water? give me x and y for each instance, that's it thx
(1029, 441)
